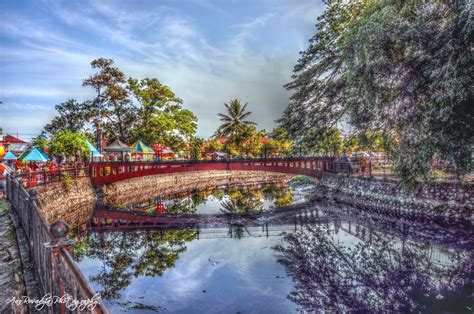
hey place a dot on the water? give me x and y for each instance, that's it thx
(273, 258)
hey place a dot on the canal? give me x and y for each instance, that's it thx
(267, 249)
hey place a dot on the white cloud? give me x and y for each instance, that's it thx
(251, 62)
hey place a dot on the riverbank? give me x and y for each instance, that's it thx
(441, 201)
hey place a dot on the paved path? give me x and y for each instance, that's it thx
(11, 278)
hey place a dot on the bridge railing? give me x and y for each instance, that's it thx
(36, 178)
(57, 273)
(313, 166)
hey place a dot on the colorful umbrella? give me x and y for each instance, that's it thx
(9, 156)
(35, 155)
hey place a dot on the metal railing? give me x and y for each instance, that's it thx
(37, 178)
(58, 274)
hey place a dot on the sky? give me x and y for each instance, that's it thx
(207, 51)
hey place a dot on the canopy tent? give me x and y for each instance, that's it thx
(44, 154)
(161, 151)
(9, 156)
(93, 151)
(118, 148)
(36, 155)
(142, 151)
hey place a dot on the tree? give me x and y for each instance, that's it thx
(131, 110)
(234, 118)
(325, 141)
(68, 143)
(73, 116)
(244, 140)
(279, 143)
(400, 68)
(116, 107)
(40, 141)
(196, 147)
(160, 117)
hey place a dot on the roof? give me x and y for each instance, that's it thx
(140, 147)
(94, 152)
(117, 146)
(18, 147)
(11, 139)
(35, 155)
(9, 156)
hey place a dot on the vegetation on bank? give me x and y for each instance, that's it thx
(398, 69)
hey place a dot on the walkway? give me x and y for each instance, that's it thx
(11, 278)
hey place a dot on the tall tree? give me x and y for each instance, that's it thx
(116, 107)
(160, 117)
(403, 68)
(234, 118)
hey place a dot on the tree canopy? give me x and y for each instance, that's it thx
(68, 143)
(400, 68)
(131, 110)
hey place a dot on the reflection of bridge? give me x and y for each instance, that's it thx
(109, 172)
(114, 220)
(362, 227)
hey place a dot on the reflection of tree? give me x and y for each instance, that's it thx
(282, 196)
(242, 200)
(181, 206)
(371, 277)
(126, 255)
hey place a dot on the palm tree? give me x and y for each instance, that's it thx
(234, 118)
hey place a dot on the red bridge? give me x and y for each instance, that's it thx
(109, 172)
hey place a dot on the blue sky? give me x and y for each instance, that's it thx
(208, 52)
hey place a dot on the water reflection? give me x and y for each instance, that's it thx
(224, 199)
(127, 255)
(377, 275)
(244, 257)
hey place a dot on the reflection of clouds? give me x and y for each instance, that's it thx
(246, 265)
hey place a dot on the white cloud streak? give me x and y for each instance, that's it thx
(251, 61)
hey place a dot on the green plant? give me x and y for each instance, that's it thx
(67, 181)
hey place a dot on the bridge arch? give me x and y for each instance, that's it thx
(109, 172)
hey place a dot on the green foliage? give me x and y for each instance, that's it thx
(213, 145)
(73, 116)
(279, 143)
(68, 143)
(67, 181)
(366, 141)
(131, 110)
(325, 141)
(160, 117)
(244, 140)
(196, 147)
(402, 69)
(40, 142)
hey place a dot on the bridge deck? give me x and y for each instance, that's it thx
(109, 172)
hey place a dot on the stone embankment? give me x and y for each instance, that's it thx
(74, 203)
(137, 190)
(441, 201)
(71, 202)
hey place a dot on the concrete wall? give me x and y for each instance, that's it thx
(441, 200)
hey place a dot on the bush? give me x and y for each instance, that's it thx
(67, 181)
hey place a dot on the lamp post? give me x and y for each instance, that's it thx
(99, 125)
